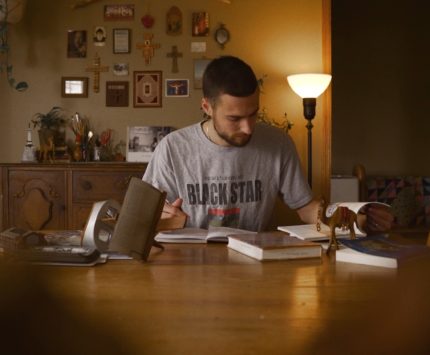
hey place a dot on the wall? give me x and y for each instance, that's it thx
(381, 85)
(277, 37)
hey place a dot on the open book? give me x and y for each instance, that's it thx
(309, 231)
(198, 235)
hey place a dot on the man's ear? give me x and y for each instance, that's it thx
(207, 107)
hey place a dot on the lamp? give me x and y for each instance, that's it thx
(309, 87)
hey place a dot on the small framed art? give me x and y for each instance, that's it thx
(119, 12)
(200, 24)
(117, 93)
(74, 86)
(76, 44)
(177, 87)
(199, 69)
(121, 40)
(147, 88)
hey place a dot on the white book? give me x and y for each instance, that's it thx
(198, 235)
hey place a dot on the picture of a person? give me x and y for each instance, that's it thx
(99, 37)
(77, 44)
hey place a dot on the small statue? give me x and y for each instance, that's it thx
(342, 217)
(47, 150)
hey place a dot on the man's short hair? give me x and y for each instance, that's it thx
(228, 75)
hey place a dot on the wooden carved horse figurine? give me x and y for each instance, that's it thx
(342, 218)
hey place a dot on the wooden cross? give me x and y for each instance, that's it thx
(148, 47)
(96, 68)
(174, 54)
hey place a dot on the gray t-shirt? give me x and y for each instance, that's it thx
(229, 186)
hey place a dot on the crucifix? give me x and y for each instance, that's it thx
(174, 54)
(147, 47)
(96, 68)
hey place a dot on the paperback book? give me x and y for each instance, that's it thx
(273, 246)
(378, 250)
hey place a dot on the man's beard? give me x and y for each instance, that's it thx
(236, 140)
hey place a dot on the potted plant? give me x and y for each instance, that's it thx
(52, 125)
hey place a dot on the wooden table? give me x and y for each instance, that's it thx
(208, 299)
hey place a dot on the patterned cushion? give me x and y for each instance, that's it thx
(409, 197)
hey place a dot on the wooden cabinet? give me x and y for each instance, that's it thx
(60, 196)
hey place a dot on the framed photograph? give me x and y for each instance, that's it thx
(200, 24)
(120, 69)
(117, 93)
(121, 40)
(147, 88)
(74, 86)
(142, 141)
(99, 36)
(199, 69)
(177, 87)
(76, 44)
(119, 12)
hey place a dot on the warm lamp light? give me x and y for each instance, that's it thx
(309, 87)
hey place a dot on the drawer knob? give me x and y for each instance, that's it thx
(86, 185)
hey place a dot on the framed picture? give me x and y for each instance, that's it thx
(200, 24)
(119, 12)
(74, 86)
(76, 44)
(142, 141)
(120, 69)
(99, 36)
(121, 40)
(199, 69)
(177, 87)
(117, 93)
(147, 88)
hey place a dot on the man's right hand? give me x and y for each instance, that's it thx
(172, 216)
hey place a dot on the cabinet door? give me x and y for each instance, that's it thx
(37, 199)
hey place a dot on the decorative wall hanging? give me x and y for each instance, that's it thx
(120, 69)
(177, 87)
(147, 47)
(200, 24)
(97, 68)
(99, 36)
(147, 20)
(121, 40)
(117, 93)
(222, 35)
(118, 12)
(174, 21)
(174, 54)
(147, 89)
(76, 44)
(74, 86)
(199, 68)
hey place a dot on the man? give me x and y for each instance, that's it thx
(228, 169)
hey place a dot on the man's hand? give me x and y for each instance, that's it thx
(378, 218)
(172, 216)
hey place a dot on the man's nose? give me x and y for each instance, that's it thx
(247, 125)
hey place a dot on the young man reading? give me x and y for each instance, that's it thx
(229, 169)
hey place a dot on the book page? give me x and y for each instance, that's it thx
(309, 232)
(184, 235)
(220, 234)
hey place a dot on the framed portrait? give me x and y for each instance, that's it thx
(74, 86)
(147, 88)
(120, 69)
(199, 69)
(121, 40)
(118, 12)
(117, 93)
(99, 36)
(76, 44)
(177, 88)
(200, 24)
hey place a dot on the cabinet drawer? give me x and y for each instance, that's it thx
(98, 186)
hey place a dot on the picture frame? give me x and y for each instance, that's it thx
(74, 87)
(76, 44)
(199, 69)
(121, 38)
(177, 88)
(147, 88)
(119, 12)
(99, 36)
(117, 93)
(200, 24)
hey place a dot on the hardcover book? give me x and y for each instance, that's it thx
(273, 246)
(378, 250)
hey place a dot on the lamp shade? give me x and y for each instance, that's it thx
(309, 85)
